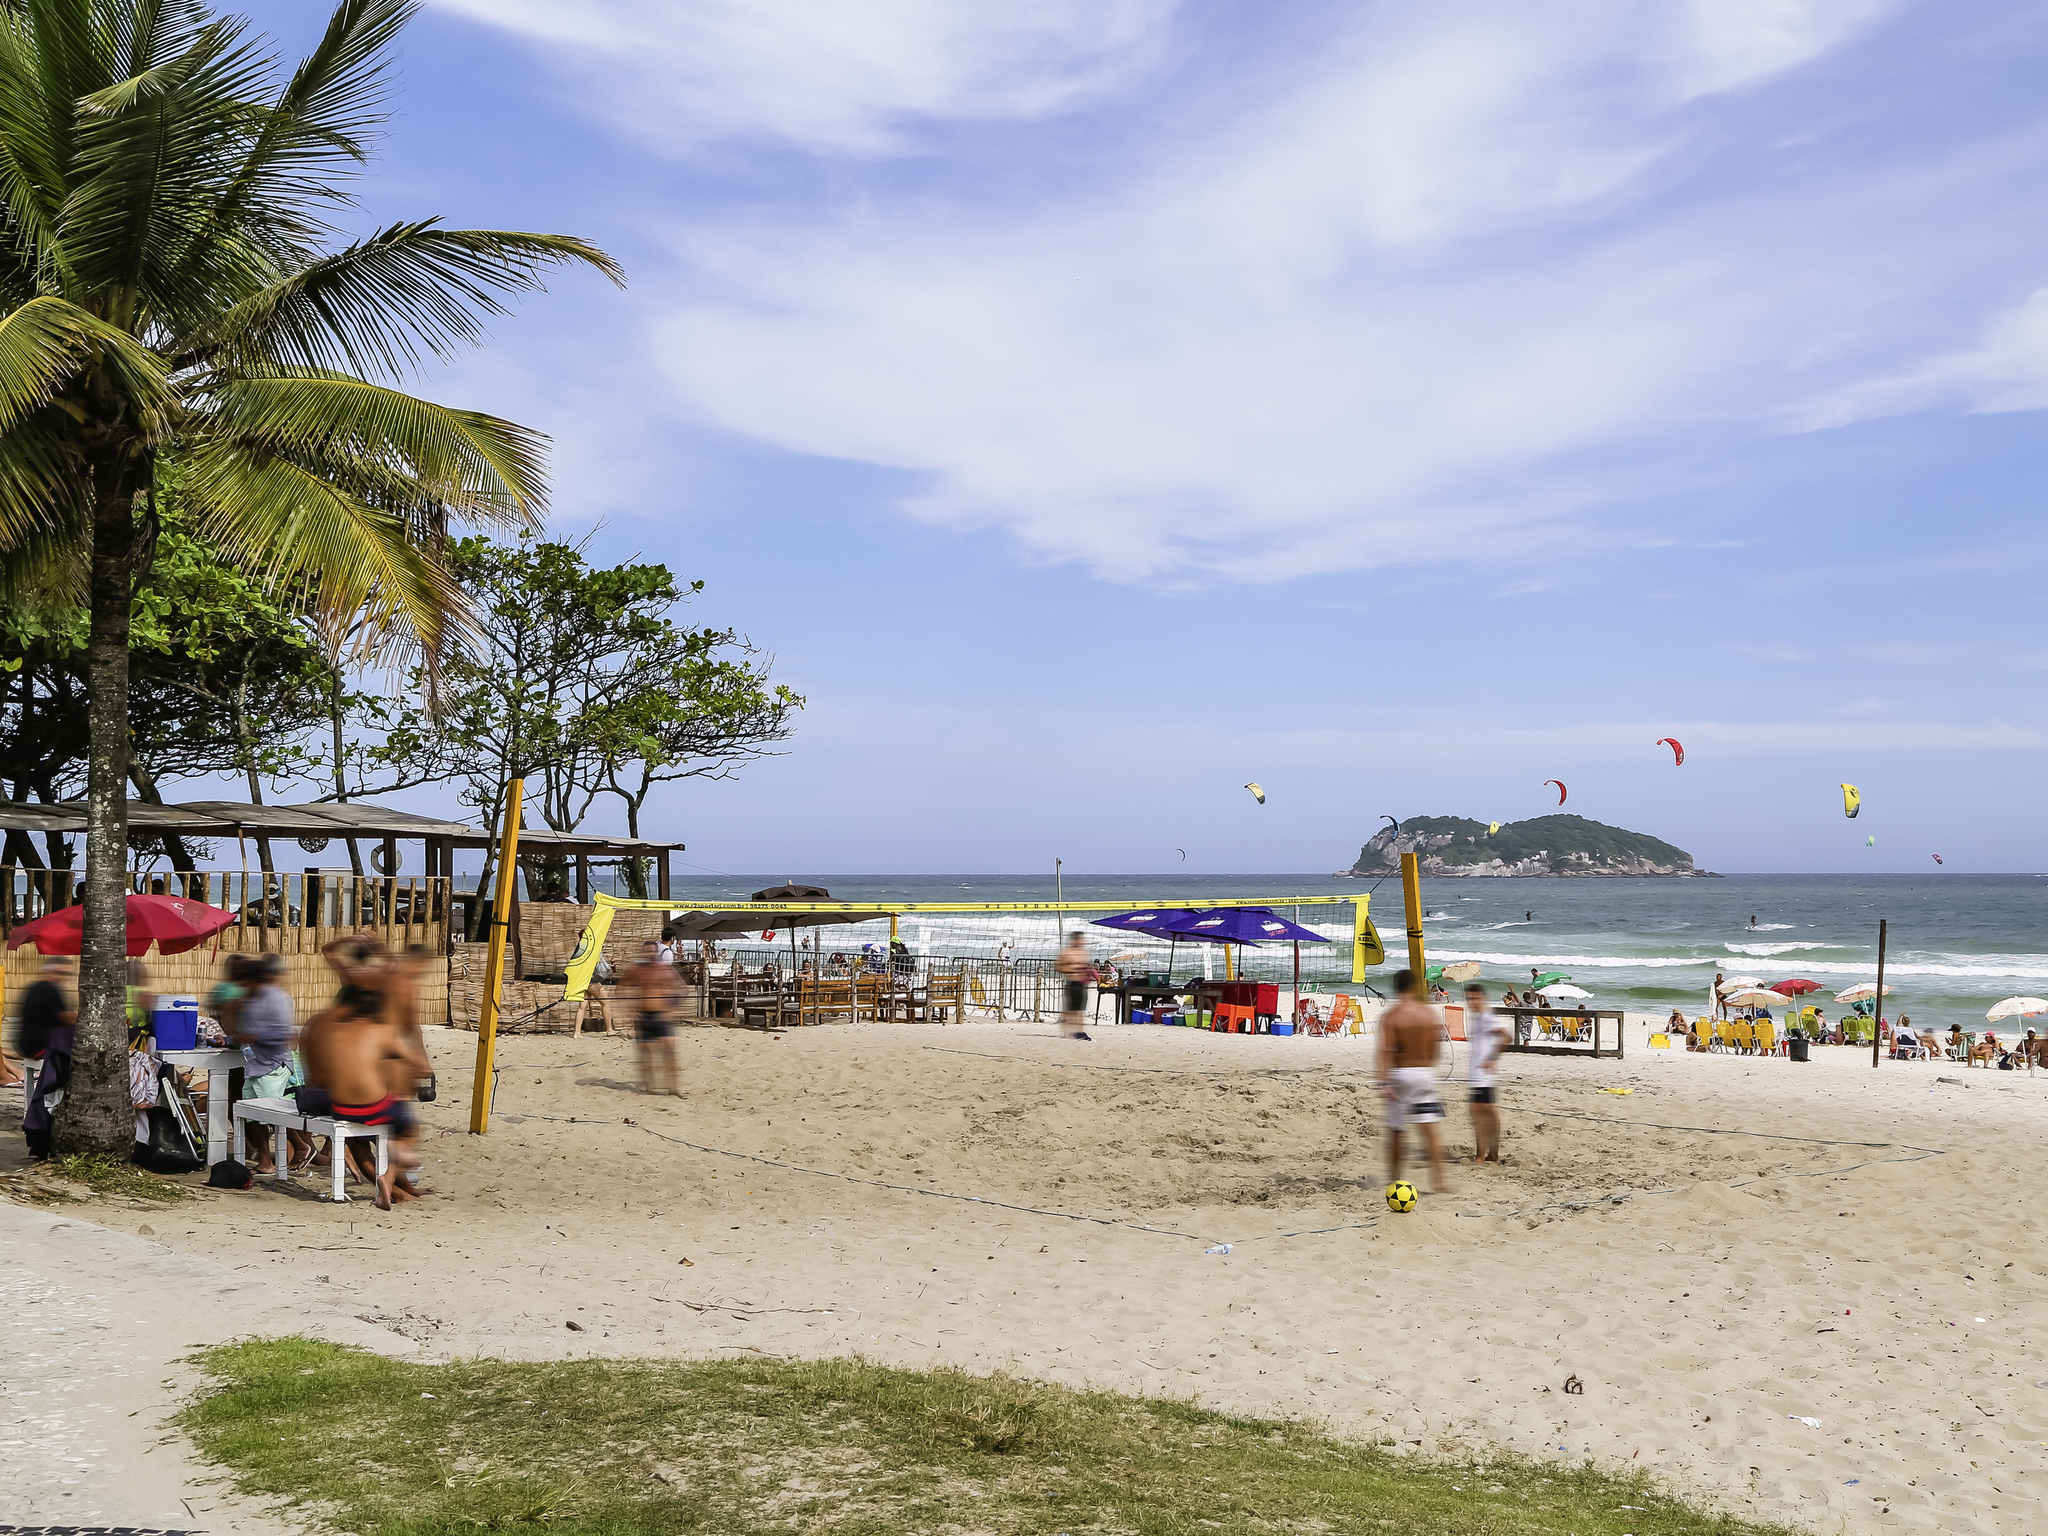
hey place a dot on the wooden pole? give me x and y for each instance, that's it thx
(1411, 898)
(494, 965)
(1877, 1003)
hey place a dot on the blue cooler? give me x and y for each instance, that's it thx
(1280, 1027)
(176, 1023)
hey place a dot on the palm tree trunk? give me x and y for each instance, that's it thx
(97, 1117)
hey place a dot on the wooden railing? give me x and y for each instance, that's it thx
(283, 912)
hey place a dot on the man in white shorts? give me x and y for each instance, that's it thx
(1489, 1037)
(1410, 1036)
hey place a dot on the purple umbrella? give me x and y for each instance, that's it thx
(1243, 925)
(1251, 925)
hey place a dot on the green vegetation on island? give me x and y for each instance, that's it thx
(1544, 845)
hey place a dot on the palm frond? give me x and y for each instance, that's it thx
(151, 154)
(384, 304)
(476, 465)
(285, 521)
(48, 342)
(43, 486)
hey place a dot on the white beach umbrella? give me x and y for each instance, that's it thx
(1464, 970)
(1737, 983)
(1758, 997)
(1564, 990)
(2017, 1008)
(1863, 991)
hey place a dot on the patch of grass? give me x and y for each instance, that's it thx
(114, 1176)
(626, 1448)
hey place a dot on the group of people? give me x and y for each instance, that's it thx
(1411, 1036)
(362, 1058)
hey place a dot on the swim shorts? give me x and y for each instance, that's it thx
(1077, 996)
(1417, 1098)
(390, 1111)
(1483, 1095)
(654, 1026)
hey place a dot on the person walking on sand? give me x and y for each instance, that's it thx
(653, 984)
(1075, 972)
(1489, 1037)
(1410, 1033)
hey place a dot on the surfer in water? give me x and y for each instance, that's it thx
(1528, 917)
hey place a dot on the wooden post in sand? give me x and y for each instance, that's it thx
(494, 964)
(1877, 1003)
(1411, 898)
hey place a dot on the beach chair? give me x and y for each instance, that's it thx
(869, 993)
(1766, 1039)
(943, 996)
(1340, 1015)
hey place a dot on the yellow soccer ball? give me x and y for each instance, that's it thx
(1401, 1196)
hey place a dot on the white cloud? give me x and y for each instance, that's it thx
(853, 76)
(1457, 280)
(2006, 370)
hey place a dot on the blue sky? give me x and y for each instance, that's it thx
(1100, 403)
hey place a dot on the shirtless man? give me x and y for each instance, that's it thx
(352, 1052)
(656, 990)
(1410, 1034)
(1075, 974)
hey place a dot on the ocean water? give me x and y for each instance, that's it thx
(1958, 943)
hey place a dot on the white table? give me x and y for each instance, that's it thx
(216, 1064)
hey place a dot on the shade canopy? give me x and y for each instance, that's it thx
(1863, 991)
(1797, 986)
(1569, 993)
(171, 923)
(2016, 1008)
(713, 924)
(1244, 925)
(1740, 983)
(1159, 920)
(1758, 997)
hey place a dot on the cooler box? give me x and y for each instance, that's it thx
(1141, 1016)
(175, 1023)
(1282, 1027)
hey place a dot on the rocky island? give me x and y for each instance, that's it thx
(1544, 845)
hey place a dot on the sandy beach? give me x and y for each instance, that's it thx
(1726, 1250)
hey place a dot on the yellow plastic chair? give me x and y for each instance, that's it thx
(1766, 1039)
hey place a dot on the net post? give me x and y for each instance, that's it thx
(1411, 899)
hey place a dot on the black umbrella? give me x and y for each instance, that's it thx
(715, 924)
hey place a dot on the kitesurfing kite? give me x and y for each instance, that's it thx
(1677, 749)
(1183, 854)
(1258, 794)
(1390, 821)
(1870, 841)
(1560, 789)
(1492, 827)
(1937, 858)
(1852, 801)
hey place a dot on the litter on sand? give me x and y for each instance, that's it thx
(1219, 1248)
(1619, 1093)
(1803, 1419)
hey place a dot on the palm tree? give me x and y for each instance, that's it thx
(172, 285)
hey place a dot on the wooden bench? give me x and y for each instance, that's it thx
(282, 1115)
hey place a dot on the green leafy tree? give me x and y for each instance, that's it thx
(171, 282)
(222, 680)
(580, 676)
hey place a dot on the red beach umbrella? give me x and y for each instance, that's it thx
(171, 923)
(1798, 986)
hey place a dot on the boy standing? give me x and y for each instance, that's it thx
(1489, 1037)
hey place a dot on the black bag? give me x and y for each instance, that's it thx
(427, 1090)
(229, 1174)
(173, 1144)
